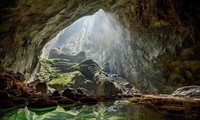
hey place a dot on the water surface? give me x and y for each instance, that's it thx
(116, 110)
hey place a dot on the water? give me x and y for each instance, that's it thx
(116, 110)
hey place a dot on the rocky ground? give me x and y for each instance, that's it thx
(171, 107)
(15, 93)
(63, 70)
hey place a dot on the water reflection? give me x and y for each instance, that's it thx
(118, 110)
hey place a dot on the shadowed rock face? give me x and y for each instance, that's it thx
(164, 36)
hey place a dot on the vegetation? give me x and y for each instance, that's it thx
(59, 71)
(63, 78)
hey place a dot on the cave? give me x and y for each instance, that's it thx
(157, 53)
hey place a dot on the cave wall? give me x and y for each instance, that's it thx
(165, 36)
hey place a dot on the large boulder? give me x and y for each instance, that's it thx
(41, 87)
(89, 100)
(94, 81)
(73, 94)
(89, 68)
(42, 105)
(187, 91)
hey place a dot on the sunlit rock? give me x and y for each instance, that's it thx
(189, 91)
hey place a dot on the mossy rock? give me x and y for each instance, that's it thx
(54, 68)
(63, 79)
(89, 100)
(42, 105)
(89, 68)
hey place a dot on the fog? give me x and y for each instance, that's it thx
(101, 37)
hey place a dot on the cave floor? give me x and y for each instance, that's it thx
(171, 106)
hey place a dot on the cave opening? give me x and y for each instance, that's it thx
(93, 49)
(153, 45)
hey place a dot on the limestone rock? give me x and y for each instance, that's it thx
(72, 94)
(15, 85)
(42, 103)
(65, 101)
(56, 93)
(89, 68)
(191, 91)
(57, 53)
(41, 87)
(4, 95)
(89, 100)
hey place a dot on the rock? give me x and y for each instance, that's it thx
(68, 93)
(41, 87)
(55, 96)
(4, 95)
(72, 94)
(56, 93)
(20, 102)
(3, 83)
(108, 88)
(14, 92)
(94, 81)
(190, 91)
(15, 85)
(89, 100)
(57, 53)
(80, 92)
(42, 103)
(65, 101)
(173, 106)
(19, 76)
(89, 68)
(54, 53)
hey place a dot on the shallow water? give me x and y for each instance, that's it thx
(116, 110)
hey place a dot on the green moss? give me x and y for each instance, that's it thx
(64, 78)
(54, 68)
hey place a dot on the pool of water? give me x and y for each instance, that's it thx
(115, 110)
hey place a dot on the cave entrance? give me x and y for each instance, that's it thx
(90, 54)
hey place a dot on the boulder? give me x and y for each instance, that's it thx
(42, 103)
(56, 93)
(4, 95)
(72, 94)
(55, 96)
(112, 88)
(14, 84)
(93, 81)
(89, 68)
(3, 83)
(89, 100)
(65, 101)
(189, 91)
(41, 87)
(20, 102)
